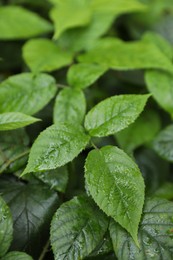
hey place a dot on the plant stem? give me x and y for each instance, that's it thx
(45, 250)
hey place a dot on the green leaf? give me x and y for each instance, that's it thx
(163, 143)
(13, 150)
(14, 120)
(45, 55)
(6, 227)
(57, 179)
(77, 228)
(142, 131)
(56, 146)
(160, 85)
(116, 54)
(62, 16)
(116, 185)
(70, 106)
(165, 191)
(155, 234)
(83, 75)
(19, 23)
(32, 206)
(114, 114)
(14, 255)
(26, 93)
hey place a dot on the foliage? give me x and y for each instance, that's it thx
(86, 133)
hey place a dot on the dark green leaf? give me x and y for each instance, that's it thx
(14, 255)
(77, 228)
(115, 183)
(165, 191)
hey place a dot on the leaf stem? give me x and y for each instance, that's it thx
(94, 146)
(45, 250)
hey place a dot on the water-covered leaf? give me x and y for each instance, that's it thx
(6, 227)
(26, 93)
(116, 184)
(45, 55)
(83, 75)
(32, 206)
(114, 114)
(56, 146)
(155, 234)
(14, 120)
(13, 19)
(15, 255)
(70, 106)
(77, 227)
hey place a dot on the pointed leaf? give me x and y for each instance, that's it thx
(77, 228)
(160, 84)
(14, 120)
(115, 183)
(14, 255)
(21, 93)
(6, 227)
(155, 234)
(56, 146)
(19, 23)
(45, 55)
(114, 114)
(83, 75)
(70, 106)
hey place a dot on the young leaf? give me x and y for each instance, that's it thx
(56, 146)
(63, 19)
(77, 228)
(32, 206)
(14, 120)
(114, 114)
(14, 255)
(83, 75)
(142, 131)
(116, 54)
(13, 19)
(163, 143)
(70, 106)
(26, 93)
(115, 183)
(155, 234)
(45, 55)
(160, 85)
(6, 227)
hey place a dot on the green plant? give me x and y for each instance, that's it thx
(90, 177)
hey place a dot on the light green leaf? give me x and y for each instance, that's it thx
(45, 55)
(114, 114)
(142, 131)
(19, 23)
(77, 228)
(26, 93)
(6, 227)
(70, 106)
(116, 54)
(56, 146)
(68, 14)
(83, 75)
(14, 255)
(163, 143)
(155, 234)
(14, 120)
(160, 84)
(115, 183)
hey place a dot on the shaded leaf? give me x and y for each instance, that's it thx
(56, 146)
(14, 255)
(21, 93)
(14, 120)
(45, 55)
(83, 75)
(165, 191)
(114, 114)
(76, 229)
(70, 106)
(155, 234)
(19, 23)
(116, 185)
(6, 227)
